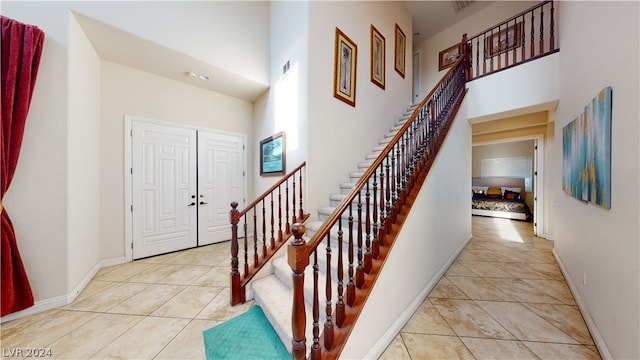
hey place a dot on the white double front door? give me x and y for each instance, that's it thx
(182, 182)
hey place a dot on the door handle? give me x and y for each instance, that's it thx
(203, 203)
(192, 204)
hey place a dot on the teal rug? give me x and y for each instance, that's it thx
(245, 337)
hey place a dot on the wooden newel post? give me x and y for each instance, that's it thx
(236, 290)
(298, 256)
(466, 55)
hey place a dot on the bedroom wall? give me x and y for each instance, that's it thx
(503, 150)
(599, 244)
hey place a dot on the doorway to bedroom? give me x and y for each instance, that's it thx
(498, 165)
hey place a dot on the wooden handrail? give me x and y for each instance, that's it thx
(515, 17)
(314, 241)
(512, 34)
(268, 247)
(272, 188)
(400, 169)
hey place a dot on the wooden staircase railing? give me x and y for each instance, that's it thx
(526, 36)
(367, 221)
(264, 229)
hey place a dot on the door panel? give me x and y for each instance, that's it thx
(220, 182)
(416, 77)
(163, 189)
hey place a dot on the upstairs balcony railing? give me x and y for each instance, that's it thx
(526, 36)
(265, 226)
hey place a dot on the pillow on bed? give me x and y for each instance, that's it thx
(513, 189)
(511, 195)
(478, 194)
(479, 191)
(494, 193)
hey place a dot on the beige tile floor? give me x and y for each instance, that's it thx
(503, 298)
(154, 308)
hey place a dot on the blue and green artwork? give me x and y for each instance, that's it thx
(586, 153)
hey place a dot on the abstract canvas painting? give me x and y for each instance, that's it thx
(586, 153)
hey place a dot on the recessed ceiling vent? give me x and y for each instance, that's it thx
(461, 4)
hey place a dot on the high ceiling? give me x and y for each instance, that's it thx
(112, 44)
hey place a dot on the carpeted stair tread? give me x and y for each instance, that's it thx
(247, 336)
(273, 292)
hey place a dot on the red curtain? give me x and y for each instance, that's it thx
(21, 51)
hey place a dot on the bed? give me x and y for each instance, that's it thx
(499, 197)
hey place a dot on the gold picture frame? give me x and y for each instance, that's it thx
(378, 69)
(400, 51)
(448, 56)
(344, 68)
(503, 41)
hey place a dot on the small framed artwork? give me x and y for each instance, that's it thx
(377, 57)
(447, 57)
(272, 155)
(400, 50)
(344, 68)
(503, 41)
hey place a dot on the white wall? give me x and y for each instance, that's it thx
(129, 91)
(83, 163)
(603, 244)
(435, 230)
(340, 136)
(206, 30)
(67, 200)
(527, 86)
(284, 106)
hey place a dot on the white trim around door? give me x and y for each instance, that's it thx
(223, 161)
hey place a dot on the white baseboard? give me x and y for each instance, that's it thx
(381, 345)
(62, 300)
(591, 325)
(548, 237)
(39, 306)
(90, 275)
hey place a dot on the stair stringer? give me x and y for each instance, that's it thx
(433, 233)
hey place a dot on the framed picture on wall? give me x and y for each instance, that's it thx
(449, 56)
(344, 68)
(272, 155)
(377, 57)
(586, 152)
(400, 50)
(503, 40)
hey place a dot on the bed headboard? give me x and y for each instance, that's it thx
(498, 182)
